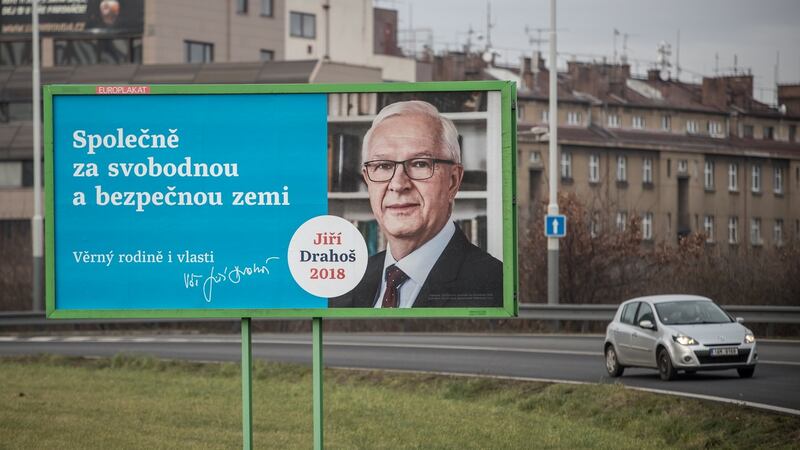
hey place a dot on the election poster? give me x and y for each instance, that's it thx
(280, 201)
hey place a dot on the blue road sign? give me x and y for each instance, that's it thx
(555, 225)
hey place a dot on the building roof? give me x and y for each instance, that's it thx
(15, 82)
(598, 137)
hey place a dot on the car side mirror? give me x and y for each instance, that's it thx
(647, 324)
(739, 320)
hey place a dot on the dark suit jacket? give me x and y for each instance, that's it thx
(464, 276)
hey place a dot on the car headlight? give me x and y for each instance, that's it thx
(684, 340)
(749, 338)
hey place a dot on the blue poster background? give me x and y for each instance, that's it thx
(276, 140)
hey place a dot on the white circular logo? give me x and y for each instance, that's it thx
(327, 256)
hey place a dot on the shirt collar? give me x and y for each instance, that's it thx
(418, 264)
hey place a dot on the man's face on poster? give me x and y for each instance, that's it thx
(408, 209)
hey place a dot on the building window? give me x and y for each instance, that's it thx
(769, 133)
(16, 110)
(708, 173)
(733, 177)
(778, 180)
(756, 184)
(622, 221)
(747, 131)
(691, 126)
(594, 168)
(613, 121)
(708, 228)
(266, 55)
(755, 231)
(594, 227)
(638, 122)
(647, 170)
(573, 118)
(266, 8)
(777, 232)
(75, 52)
(199, 52)
(683, 167)
(792, 133)
(303, 25)
(622, 169)
(545, 116)
(666, 123)
(16, 53)
(647, 226)
(715, 129)
(733, 230)
(241, 6)
(10, 174)
(566, 165)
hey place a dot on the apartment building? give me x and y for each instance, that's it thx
(148, 32)
(682, 157)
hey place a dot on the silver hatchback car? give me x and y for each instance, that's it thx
(678, 332)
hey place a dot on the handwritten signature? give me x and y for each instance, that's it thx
(233, 275)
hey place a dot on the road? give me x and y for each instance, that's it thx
(553, 357)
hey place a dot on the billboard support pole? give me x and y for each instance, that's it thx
(247, 385)
(316, 339)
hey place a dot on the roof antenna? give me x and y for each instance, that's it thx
(678, 57)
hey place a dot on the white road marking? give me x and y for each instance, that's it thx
(190, 340)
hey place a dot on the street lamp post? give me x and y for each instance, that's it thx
(37, 220)
(552, 207)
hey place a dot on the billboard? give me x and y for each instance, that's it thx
(90, 18)
(377, 200)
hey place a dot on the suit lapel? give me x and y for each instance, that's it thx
(444, 272)
(365, 292)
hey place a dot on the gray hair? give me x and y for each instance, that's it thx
(448, 135)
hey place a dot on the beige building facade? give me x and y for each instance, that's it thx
(670, 153)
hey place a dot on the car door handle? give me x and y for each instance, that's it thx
(635, 334)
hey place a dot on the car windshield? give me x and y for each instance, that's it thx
(692, 312)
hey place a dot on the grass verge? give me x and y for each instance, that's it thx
(139, 402)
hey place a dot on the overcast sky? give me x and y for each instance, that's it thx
(753, 30)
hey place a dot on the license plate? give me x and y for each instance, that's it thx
(725, 351)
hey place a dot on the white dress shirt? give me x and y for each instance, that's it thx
(417, 265)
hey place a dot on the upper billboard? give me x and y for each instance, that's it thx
(74, 17)
(384, 200)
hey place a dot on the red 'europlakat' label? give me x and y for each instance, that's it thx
(122, 90)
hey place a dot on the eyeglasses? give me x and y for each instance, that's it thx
(382, 170)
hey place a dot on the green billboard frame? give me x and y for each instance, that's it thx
(508, 105)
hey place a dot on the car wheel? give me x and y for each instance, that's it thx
(746, 372)
(665, 368)
(613, 366)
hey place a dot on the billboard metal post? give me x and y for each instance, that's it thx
(317, 380)
(247, 385)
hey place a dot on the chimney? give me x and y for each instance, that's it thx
(525, 74)
(789, 95)
(598, 79)
(724, 92)
(653, 75)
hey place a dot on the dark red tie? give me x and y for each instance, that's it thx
(394, 279)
